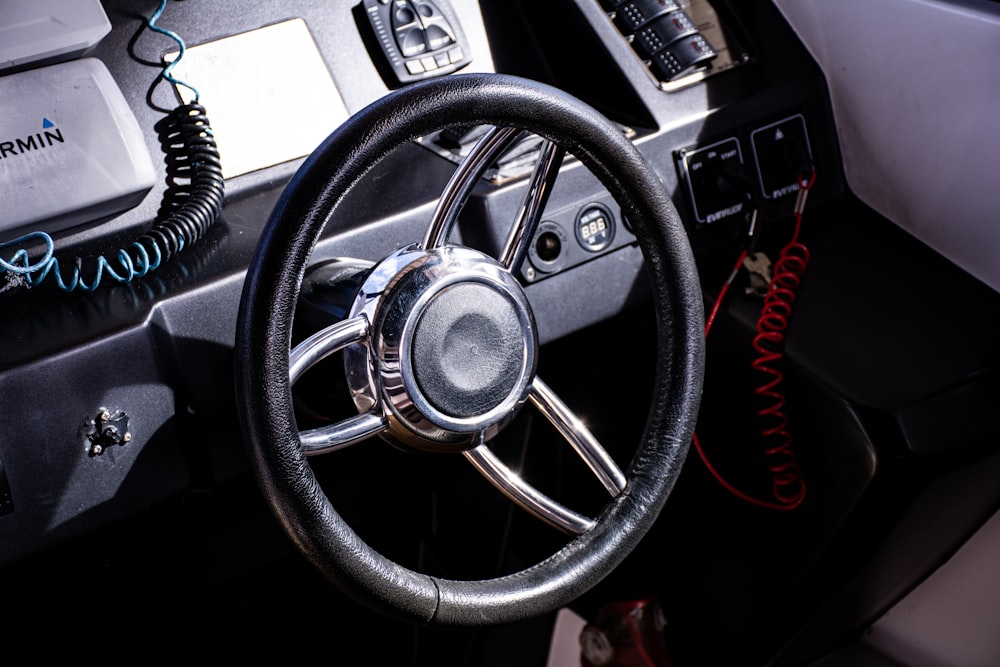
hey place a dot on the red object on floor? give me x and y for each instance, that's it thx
(626, 634)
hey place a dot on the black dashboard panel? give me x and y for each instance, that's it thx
(885, 392)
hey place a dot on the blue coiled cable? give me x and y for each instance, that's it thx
(192, 201)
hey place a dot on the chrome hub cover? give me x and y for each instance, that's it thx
(452, 351)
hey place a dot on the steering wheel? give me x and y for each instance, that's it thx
(440, 348)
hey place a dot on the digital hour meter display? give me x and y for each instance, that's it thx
(595, 228)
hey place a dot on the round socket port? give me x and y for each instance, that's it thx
(548, 249)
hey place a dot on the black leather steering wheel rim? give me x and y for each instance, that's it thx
(264, 333)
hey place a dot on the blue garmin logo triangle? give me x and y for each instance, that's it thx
(46, 123)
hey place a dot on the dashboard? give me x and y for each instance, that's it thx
(124, 469)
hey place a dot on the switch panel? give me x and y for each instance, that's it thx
(713, 176)
(419, 39)
(680, 41)
(782, 153)
(664, 35)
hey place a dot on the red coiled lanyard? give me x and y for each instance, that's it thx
(787, 485)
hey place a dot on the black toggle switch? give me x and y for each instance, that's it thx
(632, 15)
(661, 32)
(682, 57)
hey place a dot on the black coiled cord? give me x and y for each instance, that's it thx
(195, 186)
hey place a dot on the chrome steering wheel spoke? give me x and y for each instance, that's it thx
(310, 352)
(550, 157)
(487, 150)
(525, 495)
(343, 434)
(578, 436)
(325, 342)
(583, 442)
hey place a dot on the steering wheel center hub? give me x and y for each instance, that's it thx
(453, 348)
(468, 349)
